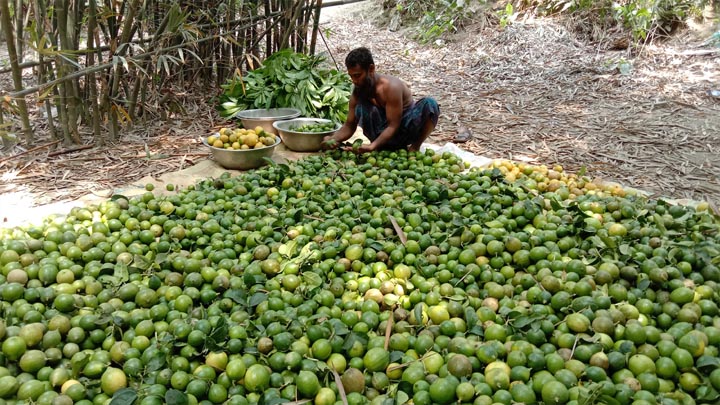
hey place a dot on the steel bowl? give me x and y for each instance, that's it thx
(242, 159)
(302, 141)
(264, 118)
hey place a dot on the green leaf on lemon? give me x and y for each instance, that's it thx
(176, 397)
(125, 396)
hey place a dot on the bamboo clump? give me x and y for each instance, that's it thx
(102, 66)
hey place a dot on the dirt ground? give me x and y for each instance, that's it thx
(545, 91)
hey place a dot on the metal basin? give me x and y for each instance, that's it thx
(265, 117)
(302, 141)
(242, 159)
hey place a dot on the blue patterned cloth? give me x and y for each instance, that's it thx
(373, 121)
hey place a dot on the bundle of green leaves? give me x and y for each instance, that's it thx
(289, 79)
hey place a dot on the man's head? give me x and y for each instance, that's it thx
(361, 68)
(359, 57)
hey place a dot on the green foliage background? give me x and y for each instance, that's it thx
(644, 19)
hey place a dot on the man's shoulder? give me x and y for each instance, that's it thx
(393, 82)
(392, 79)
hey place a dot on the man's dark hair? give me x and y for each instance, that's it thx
(359, 57)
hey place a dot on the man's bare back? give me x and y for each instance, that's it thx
(389, 84)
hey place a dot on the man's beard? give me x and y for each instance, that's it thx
(365, 92)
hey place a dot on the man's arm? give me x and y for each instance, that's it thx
(348, 128)
(393, 114)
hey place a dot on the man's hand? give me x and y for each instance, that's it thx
(359, 147)
(356, 145)
(366, 148)
(329, 143)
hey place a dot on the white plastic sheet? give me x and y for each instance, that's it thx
(474, 160)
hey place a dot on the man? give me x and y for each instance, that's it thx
(384, 108)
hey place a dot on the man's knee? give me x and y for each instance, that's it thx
(431, 110)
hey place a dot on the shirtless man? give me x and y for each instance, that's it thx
(384, 108)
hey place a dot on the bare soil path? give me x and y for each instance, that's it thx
(533, 91)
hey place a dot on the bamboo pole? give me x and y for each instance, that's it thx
(67, 92)
(307, 12)
(51, 74)
(316, 26)
(238, 46)
(293, 15)
(119, 52)
(224, 49)
(268, 42)
(252, 45)
(17, 72)
(75, 88)
(19, 30)
(141, 78)
(60, 104)
(91, 79)
(39, 12)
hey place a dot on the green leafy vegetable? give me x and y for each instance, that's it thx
(289, 79)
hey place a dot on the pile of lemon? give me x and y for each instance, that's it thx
(241, 138)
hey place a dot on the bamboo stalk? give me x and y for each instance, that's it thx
(51, 75)
(305, 14)
(291, 21)
(132, 91)
(316, 26)
(120, 51)
(224, 49)
(92, 82)
(19, 30)
(141, 78)
(66, 88)
(237, 46)
(17, 72)
(41, 73)
(77, 20)
(251, 44)
(309, 12)
(60, 104)
(76, 88)
(268, 43)
(24, 65)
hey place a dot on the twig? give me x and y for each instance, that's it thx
(70, 150)
(340, 387)
(398, 230)
(29, 150)
(388, 330)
